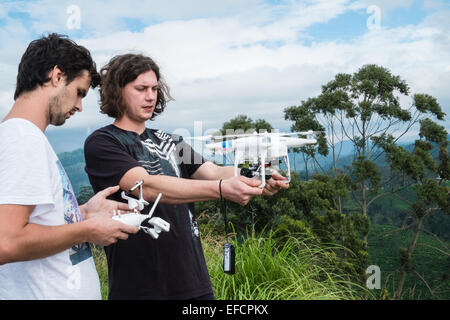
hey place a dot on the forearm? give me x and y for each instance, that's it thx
(210, 171)
(225, 172)
(36, 241)
(179, 190)
(201, 187)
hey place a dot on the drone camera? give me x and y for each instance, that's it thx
(253, 173)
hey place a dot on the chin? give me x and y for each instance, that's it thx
(146, 118)
(58, 121)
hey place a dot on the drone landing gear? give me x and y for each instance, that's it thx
(258, 172)
(254, 171)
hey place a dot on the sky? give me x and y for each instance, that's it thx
(230, 57)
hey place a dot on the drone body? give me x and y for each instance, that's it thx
(261, 150)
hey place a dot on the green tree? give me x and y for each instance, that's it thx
(308, 209)
(243, 124)
(84, 194)
(362, 108)
(429, 176)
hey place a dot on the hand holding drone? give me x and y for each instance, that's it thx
(136, 219)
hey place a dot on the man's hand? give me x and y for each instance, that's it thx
(274, 184)
(240, 189)
(104, 230)
(99, 203)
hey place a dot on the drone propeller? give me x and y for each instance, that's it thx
(201, 138)
(209, 137)
(228, 136)
(301, 132)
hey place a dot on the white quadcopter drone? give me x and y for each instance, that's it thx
(136, 219)
(261, 150)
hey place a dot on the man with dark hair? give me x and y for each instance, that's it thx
(173, 266)
(44, 234)
(45, 53)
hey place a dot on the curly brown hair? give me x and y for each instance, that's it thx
(120, 71)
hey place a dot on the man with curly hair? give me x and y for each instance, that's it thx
(173, 267)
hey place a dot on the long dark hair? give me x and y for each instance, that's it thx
(43, 54)
(120, 71)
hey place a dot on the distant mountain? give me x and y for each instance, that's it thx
(346, 157)
(73, 163)
(67, 140)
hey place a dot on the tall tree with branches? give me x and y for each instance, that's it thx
(361, 108)
(429, 176)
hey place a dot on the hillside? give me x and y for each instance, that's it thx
(73, 163)
(430, 278)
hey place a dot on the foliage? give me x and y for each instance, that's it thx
(431, 195)
(266, 270)
(404, 186)
(244, 124)
(428, 268)
(307, 207)
(84, 194)
(101, 265)
(365, 108)
(73, 163)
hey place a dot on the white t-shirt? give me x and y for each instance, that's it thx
(31, 174)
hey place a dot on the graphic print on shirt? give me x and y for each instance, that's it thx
(162, 151)
(194, 226)
(72, 214)
(163, 161)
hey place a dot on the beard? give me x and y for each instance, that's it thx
(56, 115)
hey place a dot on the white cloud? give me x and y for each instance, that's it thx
(386, 6)
(218, 64)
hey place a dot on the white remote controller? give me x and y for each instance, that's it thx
(136, 219)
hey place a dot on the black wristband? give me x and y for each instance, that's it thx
(223, 208)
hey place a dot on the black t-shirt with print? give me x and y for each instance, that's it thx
(172, 266)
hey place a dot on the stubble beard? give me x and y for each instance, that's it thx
(56, 117)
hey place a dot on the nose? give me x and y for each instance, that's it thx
(150, 94)
(79, 106)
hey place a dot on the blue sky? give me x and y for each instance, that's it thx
(223, 58)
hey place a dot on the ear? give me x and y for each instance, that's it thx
(57, 77)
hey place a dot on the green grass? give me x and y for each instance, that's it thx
(265, 271)
(102, 268)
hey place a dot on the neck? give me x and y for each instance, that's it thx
(32, 107)
(127, 124)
